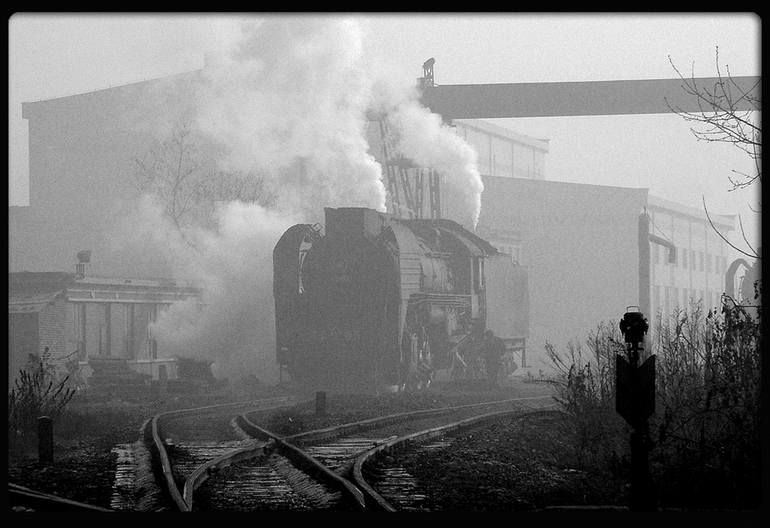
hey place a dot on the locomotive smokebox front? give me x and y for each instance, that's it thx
(338, 319)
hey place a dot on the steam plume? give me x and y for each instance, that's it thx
(287, 101)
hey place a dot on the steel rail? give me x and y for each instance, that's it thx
(159, 446)
(303, 461)
(402, 441)
(41, 501)
(354, 427)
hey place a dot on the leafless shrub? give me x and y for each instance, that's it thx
(585, 382)
(708, 396)
(37, 392)
(706, 430)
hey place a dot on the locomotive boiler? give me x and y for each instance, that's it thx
(379, 303)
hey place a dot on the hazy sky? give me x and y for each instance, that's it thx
(56, 55)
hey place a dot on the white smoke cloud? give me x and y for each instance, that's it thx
(234, 327)
(288, 101)
(426, 140)
(430, 143)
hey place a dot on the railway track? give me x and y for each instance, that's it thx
(183, 440)
(312, 470)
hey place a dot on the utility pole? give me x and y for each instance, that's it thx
(635, 402)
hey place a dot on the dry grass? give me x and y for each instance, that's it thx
(706, 430)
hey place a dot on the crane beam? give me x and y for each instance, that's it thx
(551, 99)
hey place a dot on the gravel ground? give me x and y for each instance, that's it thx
(509, 466)
(85, 435)
(84, 468)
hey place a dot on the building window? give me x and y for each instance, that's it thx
(692, 258)
(523, 161)
(675, 297)
(684, 258)
(700, 259)
(539, 169)
(502, 157)
(708, 263)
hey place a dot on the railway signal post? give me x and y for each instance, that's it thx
(635, 402)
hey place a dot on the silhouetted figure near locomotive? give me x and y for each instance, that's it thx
(416, 362)
(492, 349)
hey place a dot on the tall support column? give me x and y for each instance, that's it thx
(153, 345)
(107, 329)
(130, 314)
(82, 351)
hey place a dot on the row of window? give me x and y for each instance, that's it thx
(504, 157)
(681, 298)
(690, 259)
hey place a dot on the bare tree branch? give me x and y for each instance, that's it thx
(743, 234)
(186, 181)
(724, 123)
(722, 236)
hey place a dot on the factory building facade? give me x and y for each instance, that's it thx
(580, 244)
(702, 257)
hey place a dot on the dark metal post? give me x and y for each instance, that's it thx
(320, 403)
(635, 392)
(45, 440)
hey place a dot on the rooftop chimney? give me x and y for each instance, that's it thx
(84, 257)
(353, 221)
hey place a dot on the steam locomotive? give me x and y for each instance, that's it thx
(380, 303)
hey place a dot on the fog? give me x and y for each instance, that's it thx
(285, 99)
(286, 102)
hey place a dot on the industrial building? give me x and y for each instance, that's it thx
(579, 242)
(71, 319)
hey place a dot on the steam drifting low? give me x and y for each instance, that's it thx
(286, 102)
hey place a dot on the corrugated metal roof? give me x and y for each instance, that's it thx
(21, 303)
